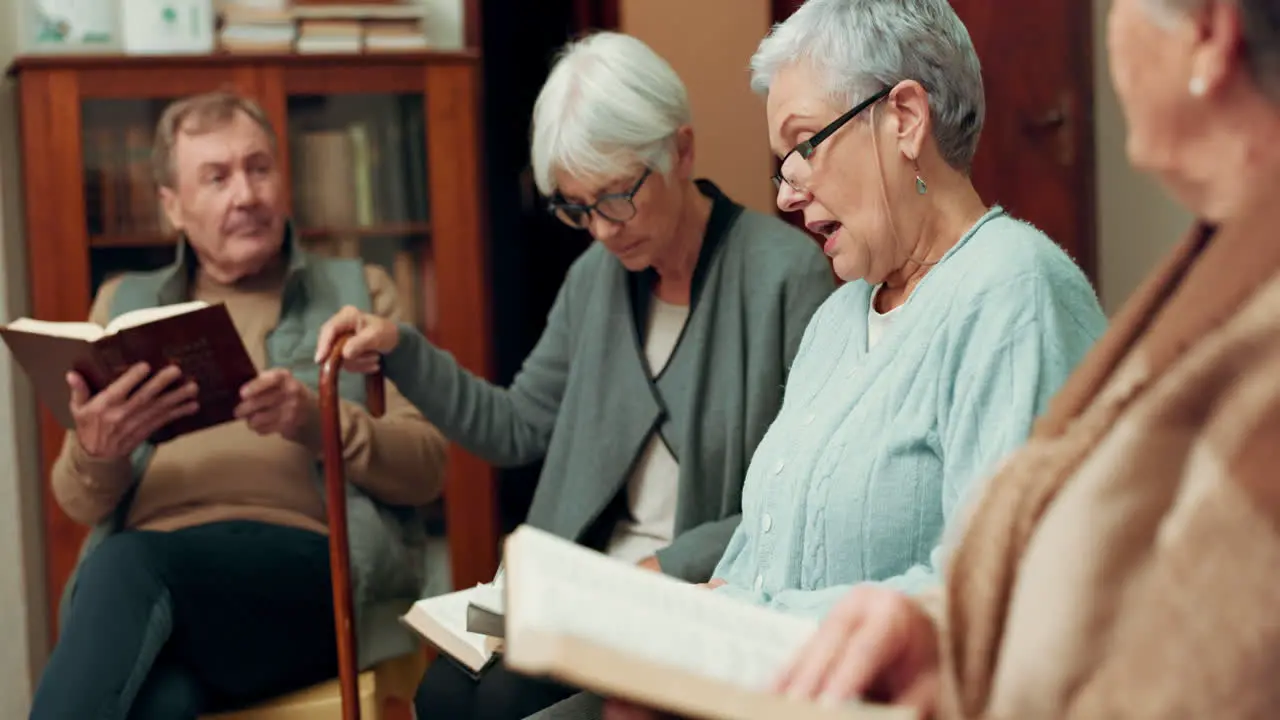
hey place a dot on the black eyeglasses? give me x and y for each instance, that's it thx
(805, 149)
(614, 207)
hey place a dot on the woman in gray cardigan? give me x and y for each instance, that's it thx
(664, 356)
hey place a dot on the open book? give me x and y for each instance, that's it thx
(445, 621)
(593, 622)
(197, 337)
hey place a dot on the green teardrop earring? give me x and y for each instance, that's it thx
(921, 187)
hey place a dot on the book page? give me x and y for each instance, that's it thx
(557, 587)
(77, 330)
(142, 316)
(447, 614)
(489, 596)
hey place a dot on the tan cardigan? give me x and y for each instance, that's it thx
(1126, 561)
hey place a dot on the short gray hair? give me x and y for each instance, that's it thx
(1260, 22)
(197, 115)
(609, 104)
(860, 46)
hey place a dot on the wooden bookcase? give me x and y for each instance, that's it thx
(395, 135)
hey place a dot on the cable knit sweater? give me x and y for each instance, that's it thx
(872, 452)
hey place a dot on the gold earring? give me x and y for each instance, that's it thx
(921, 187)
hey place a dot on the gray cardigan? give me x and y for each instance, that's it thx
(584, 400)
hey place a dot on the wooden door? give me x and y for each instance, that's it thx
(1036, 154)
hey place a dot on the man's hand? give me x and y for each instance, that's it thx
(650, 563)
(877, 643)
(374, 336)
(277, 402)
(113, 423)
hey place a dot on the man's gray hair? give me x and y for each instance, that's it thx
(1260, 23)
(859, 46)
(610, 103)
(197, 115)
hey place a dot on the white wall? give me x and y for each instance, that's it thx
(444, 23)
(23, 618)
(1137, 222)
(731, 145)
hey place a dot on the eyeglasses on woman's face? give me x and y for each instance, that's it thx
(794, 170)
(614, 207)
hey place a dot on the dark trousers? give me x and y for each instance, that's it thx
(169, 625)
(449, 693)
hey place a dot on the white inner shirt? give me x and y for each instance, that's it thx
(653, 486)
(877, 322)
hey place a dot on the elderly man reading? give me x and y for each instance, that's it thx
(205, 584)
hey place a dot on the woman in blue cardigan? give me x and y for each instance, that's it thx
(956, 326)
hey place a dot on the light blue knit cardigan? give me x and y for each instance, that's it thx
(873, 452)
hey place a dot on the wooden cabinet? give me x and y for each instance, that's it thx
(382, 157)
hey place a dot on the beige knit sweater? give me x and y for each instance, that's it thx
(1126, 561)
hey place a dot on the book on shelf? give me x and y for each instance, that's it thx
(222, 6)
(363, 176)
(443, 621)
(391, 10)
(197, 337)
(330, 36)
(609, 627)
(394, 35)
(248, 27)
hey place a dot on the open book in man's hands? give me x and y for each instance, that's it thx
(612, 628)
(197, 337)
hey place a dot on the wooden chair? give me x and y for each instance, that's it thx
(352, 695)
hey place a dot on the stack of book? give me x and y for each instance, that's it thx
(256, 26)
(321, 26)
(327, 27)
(324, 36)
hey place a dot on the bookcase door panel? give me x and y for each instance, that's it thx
(357, 166)
(122, 208)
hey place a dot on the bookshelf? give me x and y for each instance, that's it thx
(382, 161)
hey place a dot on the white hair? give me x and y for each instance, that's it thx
(1260, 23)
(609, 104)
(858, 47)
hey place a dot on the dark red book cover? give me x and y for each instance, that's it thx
(203, 343)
